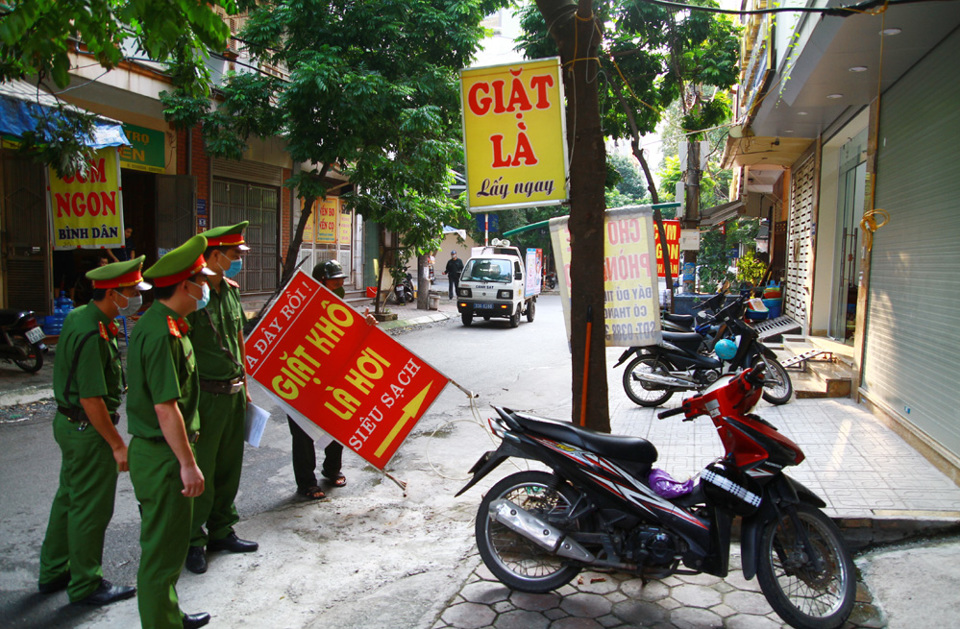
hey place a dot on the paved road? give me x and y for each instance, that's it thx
(341, 562)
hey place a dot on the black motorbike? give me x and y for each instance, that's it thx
(21, 339)
(683, 362)
(403, 290)
(550, 281)
(602, 506)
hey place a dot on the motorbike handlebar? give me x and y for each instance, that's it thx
(755, 377)
(670, 413)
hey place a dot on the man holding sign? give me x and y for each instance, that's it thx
(321, 360)
(330, 274)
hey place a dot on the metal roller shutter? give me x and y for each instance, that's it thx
(800, 240)
(913, 314)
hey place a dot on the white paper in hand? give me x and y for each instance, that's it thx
(256, 421)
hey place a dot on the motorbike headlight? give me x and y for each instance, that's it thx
(464, 292)
(504, 294)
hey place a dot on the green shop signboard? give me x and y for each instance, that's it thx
(146, 152)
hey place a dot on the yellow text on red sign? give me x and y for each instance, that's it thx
(86, 211)
(319, 358)
(514, 135)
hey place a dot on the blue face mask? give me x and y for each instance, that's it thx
(235, 267)
(205, 296)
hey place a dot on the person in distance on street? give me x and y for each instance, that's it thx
(330, 274)
(216, 332)
(453, 270)
(163, 419)
(88, 383)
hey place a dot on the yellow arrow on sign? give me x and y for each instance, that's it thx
(409, 411)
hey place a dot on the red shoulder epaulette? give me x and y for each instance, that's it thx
(103, 331)
(173, 327)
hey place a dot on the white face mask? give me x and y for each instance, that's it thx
(132, 307)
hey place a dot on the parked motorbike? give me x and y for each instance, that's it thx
(603, 506)
(679, 364)
(403, 290)
(21, 339)
(550, 281)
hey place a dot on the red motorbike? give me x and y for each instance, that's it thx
(604, 507)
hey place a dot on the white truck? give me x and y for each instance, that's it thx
(495, 283)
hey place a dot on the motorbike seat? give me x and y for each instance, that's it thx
(9, 316)
(689, 341)
(686, 321)
(633, 449)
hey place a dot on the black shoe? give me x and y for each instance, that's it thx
(233, 544)
(107, 593)
(192, 621)
(196, 560)
(55, 585)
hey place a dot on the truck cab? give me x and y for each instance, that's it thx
(494, 284)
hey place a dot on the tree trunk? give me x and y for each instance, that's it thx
(691, 218)
(578, 33)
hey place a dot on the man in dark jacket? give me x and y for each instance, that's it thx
(453, 271)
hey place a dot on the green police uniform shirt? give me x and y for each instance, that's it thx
(161, 367)
(221, 321)
(97, 372)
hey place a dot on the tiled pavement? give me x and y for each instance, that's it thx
(597, 600)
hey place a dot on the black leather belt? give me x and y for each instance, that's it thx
(79, 416)
(222, 387)
(192, 437)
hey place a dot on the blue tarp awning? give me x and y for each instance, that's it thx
(23, 109)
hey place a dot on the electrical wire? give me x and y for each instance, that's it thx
(868, 6)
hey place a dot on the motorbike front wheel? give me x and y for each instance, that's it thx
(777, 386)
(808, 592)
(518, 562)
(645, 393)
(34, 355)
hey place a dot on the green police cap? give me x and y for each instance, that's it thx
(182, 263)
(227, 236)
(119, 275)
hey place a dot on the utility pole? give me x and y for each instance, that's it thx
(691, 214)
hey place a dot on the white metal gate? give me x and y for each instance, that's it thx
(796, 296)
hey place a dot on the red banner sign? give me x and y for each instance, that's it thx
(672, 231)
(319, 357)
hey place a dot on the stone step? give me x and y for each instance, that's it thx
(820, 375)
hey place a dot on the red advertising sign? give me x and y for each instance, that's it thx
(672, 231)
(319, 357)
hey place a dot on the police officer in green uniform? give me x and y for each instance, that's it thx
(87, 383)
(162, 417)
(217, 336)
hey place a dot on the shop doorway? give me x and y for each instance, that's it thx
(852, 180)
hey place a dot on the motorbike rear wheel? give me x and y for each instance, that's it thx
(34, 359)
(642, 393)
(518, 562)
(777, 386)
(803, 595)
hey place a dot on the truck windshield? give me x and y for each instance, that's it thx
(483, 270)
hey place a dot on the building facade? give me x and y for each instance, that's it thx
(847, 123)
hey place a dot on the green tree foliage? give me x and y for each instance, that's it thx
(36, 37)
(372, 91)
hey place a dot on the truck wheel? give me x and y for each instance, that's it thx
(515, 317)
(531, 311)
(467, 318)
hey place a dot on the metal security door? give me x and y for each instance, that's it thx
(25, 236)
(234, 202)
(799, 242)
(176, 222)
